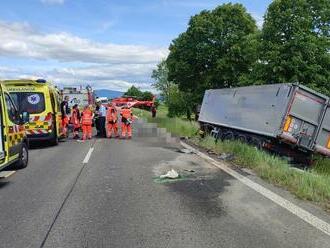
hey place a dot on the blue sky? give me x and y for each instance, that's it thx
(108, 43)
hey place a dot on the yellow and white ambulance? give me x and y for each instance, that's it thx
(42, 101)
(13, 141)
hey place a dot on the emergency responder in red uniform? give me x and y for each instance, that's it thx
(126, 122)
(86, 123)
(111, 121)
(65, 111)
(75, 121)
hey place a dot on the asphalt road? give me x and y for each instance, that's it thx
(117, 200)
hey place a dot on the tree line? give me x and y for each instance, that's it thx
(138, 94)
(224, 48)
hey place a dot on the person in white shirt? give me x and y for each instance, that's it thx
(102, 113)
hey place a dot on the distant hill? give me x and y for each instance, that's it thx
(108, 93)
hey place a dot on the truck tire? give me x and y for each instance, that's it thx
(23, 159)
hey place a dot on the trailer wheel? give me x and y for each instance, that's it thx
(242, 138)
(228, 136)
(257, 143)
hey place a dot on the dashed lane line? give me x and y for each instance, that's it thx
(84, 163)
(88, 155)
(289, 206)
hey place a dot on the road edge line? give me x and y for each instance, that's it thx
(279, 200)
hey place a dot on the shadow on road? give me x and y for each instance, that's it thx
(4, 183)
(43, 144)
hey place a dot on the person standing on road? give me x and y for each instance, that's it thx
(86, 123)
(126, 122)
(111, 121)
(153, 112)
(65, 111)
(96, 120)
(75, 121)
(102, 112)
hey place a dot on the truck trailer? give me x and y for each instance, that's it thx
(287, 118)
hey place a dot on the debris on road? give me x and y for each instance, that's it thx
(226, 156)
(172, 174)
(186, 151)
(189, 170)
(211, 152)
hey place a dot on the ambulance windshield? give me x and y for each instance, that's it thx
(31, 102)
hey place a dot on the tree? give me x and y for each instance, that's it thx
(217, 49)
(137, 93)
(133, 91)
(295, 44)
(160, 75)
(180, 103)
(147, 96)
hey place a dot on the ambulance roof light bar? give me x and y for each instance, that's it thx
(41, 81)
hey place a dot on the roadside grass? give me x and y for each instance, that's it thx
(321, 165)
(176, 126)
(312, 185)
(309, 185)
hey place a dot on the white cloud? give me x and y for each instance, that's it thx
(75, 60)
(20, 40)
(5, 69)
(115, 77)
(119, 77)
(259, 19)
(105, 26)
(52, 1)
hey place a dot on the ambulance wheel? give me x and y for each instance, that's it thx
(23, 158)
(54, 141)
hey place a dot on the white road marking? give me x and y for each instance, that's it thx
(6, 174)
(88, 155)
(294, 209)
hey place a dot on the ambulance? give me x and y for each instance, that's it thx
(13, 141)
(42, 101)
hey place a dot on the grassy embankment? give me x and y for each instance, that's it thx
(176, 126)
(312, 185)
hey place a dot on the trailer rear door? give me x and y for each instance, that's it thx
(323, 139)
(304, 117)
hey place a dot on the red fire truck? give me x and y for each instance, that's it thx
(132, 102)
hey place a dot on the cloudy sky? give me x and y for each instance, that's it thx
(109, 44)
